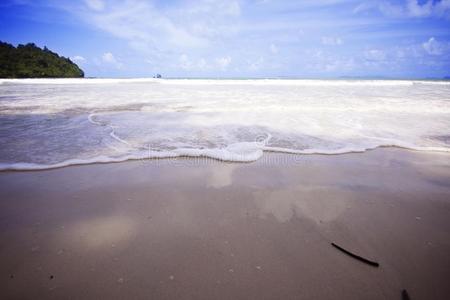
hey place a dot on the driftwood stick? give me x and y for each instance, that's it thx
(365, 260)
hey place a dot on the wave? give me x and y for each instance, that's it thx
(295, 82)
(112, 132)
(77, 80)
(47, 127)
(240, 152)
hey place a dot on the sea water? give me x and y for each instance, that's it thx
(47, 123)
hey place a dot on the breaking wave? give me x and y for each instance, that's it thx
(52, 123)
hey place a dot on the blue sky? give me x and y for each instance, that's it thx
(238, 38)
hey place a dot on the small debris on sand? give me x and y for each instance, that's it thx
(369, 262)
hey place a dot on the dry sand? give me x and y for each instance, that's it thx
(203, 229)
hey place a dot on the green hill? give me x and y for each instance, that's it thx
(30, 61)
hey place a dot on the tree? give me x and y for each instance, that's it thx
(30, 61)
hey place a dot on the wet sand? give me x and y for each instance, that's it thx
(204, 229)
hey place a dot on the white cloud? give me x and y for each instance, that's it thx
(202, 64)
(141, 24)
(97, 5)
(187, 64)
(340, 65)
(223, 62)
(374, 55)
(412, 8)
(386, 8)
(433, 47)
(417, 10)
(226, 35)
(256, 65)
(151, 28)
(273, 49)
(231, 8)
(224, 7)
(78, 58)
(109, 59)
(331, 41)
(442, 9)
(320, 61)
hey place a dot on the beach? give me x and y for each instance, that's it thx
(198, 228)
(224, 150)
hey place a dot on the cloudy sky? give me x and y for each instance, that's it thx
(238, 38)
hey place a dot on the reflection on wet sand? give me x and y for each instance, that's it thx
(221, 175)
(101, 231)
(213, 230)
(320, 204)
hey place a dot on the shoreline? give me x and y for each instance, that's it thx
(153, 79)
(32, 167)
(202, 228)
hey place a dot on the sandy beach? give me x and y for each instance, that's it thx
(224, 149)
(191, 228)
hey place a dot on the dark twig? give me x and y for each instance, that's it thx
(405, 295)
(369, 262)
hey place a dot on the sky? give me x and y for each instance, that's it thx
(238, 38)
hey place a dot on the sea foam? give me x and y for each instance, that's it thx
(50, 123)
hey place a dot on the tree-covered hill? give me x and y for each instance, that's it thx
(30, 61)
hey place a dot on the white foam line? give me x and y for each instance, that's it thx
(117, 138)
(91, 119)
(354, 150)
(294, 82)
(300, 82)
(219, 154)
(210, 153)
(318, 151)
(112, 133)
(66, 163)
(78, 80)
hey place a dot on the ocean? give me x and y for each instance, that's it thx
(49, 123)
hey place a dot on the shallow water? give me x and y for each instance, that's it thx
(48, 123)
